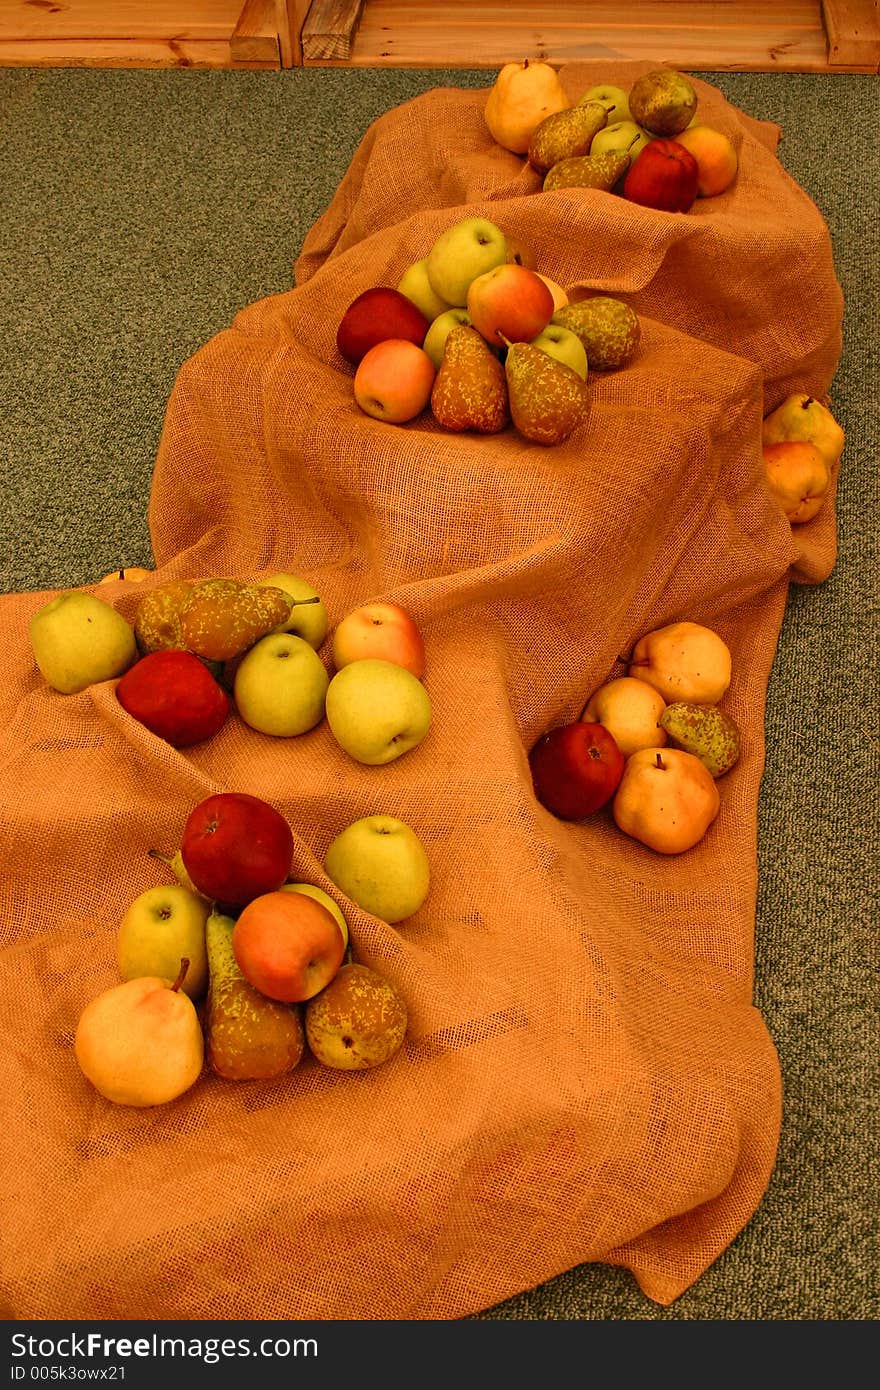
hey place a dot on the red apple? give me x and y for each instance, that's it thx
(173, 694)
(287, 945)
(665, 176)
(382, 630)
(576, 769)
(393, 381)
(235, 847)
(375, 315)
(510, 303)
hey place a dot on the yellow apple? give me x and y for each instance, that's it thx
(308, 617)
(161, 927)
(380, 863)
(79, 640)
(280, 685)
(377, 711)
(629, 709)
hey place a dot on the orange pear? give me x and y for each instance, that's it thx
(667, 799)
(684, 661)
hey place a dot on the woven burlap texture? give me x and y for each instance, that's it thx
(585, 1077)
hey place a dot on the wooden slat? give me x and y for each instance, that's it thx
(291, 18)
(787, 35)
(329, 30)
(853, 28)
(180, 20)
(119, 53)
(255, 36)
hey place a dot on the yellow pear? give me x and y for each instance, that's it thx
(140, 1043)
(667, 799)
(630, 710)
(522, 95)
(801, 417)
(684, 661)
(798, 476)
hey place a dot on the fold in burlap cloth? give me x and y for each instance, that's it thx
(585, 1077)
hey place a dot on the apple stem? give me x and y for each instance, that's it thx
(181, 974)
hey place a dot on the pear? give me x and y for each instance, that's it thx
(608, 328)
(249, 1036)
(684, 661)
(565, 134)
(600, 171)
(804, 419)
(221, 618)
(140, 1043)
(157, 617)
(704, 730)
(662, 101)
(520, 98)
(548, 399)
(470, 389)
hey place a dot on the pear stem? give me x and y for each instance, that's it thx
(181, 974)
(161, 856)
(298, 602)
(658, 762)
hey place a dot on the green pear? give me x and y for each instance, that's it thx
(600, 171)
(470, 390)
(564, 134)
(79, 640)
(662, 101)
(608, 328)
(161, 927)
(705, 731)
(249, 1036)
(548, 399)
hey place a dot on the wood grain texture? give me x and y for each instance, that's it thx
(853, 28)
(329, 30)
(255, 36)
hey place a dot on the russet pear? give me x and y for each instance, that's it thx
(564, 134)
(249, 1036)
(470, 388)
(548, 400)
(609, 329)
(704, 730)
(601, 171)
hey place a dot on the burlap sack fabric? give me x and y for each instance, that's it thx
(585, 1077)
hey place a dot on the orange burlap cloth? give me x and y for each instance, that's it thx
(585, 1077)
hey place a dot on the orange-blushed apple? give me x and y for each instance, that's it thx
(393, 381)
(576, 769)
(379, 313)
(717, 160)
(287, 945)
(667, 799)
(509, 304)
(798, 477)
(383, 630)
(560, 297)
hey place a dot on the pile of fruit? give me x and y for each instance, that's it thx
(236, 965)
(478, 336)
(646, 144)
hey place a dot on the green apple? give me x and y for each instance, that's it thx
(380, 863)
(614, 99)
(308, 619)
(439, 331)
(621, 135)
(162, 927)
(78, 640)
(565, 346)
(280, 685)
(311, 890)
(417, 287)
(377, 710)
(465, 250)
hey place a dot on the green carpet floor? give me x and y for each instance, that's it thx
(139, 211)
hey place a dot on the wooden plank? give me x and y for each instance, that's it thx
(697, 34)
(180, 20)
(255, 36)
(329, 29)
(853, 28)
(291, 18)
(119, 53)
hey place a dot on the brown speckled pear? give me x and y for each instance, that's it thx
(565, 134)
(608, 328)
(588, 171)
(249, 1037)
(223, 617)
(157, 617)
(470, 389)
(704, 730)
(548, 400)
